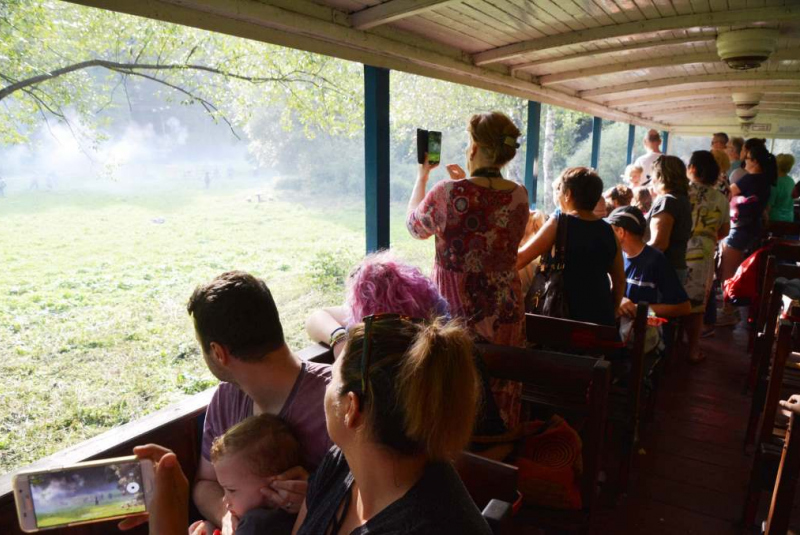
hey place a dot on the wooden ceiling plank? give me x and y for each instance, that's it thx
(457, 26)
(700, 6)
(613, 11)
(648, 63)
(648, 8)
(615, 50)
(429, 24)
(592, 12)
(480, 23)
(786, 13)
(665, 8)
(557, 14)
(511, 15)
(678, 81)
(393, 10)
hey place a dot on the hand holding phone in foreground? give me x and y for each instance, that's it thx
(456, 172)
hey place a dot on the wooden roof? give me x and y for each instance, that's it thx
(649, 62)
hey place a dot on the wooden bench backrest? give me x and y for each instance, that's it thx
(571, 336)
(782, 350)
(574, 383)
(773, 268)
(486, 479)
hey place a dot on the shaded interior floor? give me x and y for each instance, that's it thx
(692, 472)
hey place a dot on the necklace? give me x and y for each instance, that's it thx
(489, 173)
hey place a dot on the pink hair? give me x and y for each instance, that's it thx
(382, 284)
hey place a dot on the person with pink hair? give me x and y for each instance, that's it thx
(382, 284)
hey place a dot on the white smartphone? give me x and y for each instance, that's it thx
(83, 493)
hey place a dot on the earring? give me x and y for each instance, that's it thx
(347, 420)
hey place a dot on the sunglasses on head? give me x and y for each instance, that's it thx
(366, 352)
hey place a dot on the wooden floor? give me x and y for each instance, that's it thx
(691, 474)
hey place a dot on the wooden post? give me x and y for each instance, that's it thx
(376, 156)
(597, 126)
(532, 151)
(631, 138)
(664, 141)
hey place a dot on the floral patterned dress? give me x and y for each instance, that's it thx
(710, 212)
(478, 231)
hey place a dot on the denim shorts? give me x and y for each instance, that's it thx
(743, 239)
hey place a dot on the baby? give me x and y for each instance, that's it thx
(633, 175)
(244, 459)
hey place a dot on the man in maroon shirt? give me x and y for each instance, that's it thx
(240, 334)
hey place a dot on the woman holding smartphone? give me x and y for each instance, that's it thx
(479, 219)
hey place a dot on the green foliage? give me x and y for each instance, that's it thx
(329, 269)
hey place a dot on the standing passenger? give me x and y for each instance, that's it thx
(670, 218)
(781, 204)
(478, 223)
(652, 145)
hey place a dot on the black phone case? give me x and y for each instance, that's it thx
(422, 145)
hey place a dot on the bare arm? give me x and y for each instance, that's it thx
(207, 493)
(724, 230)
(301, 517)
(672, 311)
(418, 193)
(321, 323)
(735, 190)
(661, 230)
(618, 280)
(538, 244)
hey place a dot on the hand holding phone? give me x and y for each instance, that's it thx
(429, 144)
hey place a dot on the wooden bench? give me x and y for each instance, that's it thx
(769, 440)
(780, 509)
(764, 339)
(625, 404)
(492, 486)
(577, 388)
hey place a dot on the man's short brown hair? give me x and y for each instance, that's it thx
(237, 310)
(265, 441)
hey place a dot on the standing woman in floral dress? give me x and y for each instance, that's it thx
(479, 218)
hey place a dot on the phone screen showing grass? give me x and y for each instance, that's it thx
(434, 147)
(87, 493)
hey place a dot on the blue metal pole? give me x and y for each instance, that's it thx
(376, 156)
(631, 138)
(532, 151)
(664, 141)
(597, 126)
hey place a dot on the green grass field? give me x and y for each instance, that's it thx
(92, 297)
(87, 512)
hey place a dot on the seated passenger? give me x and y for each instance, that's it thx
(642, 199)
(382, 284)
(650, 276)
(390, 411)
(241, 338)
(617, 196)
(246, 458)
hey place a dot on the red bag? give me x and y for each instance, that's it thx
(744, 285)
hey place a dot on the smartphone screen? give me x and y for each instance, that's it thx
(434, 147)
(87, 493)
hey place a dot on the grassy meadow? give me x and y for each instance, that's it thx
(93, 289)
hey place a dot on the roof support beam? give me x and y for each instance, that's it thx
(611, 68)
(307, 26)
(644, 45)
(649, 63)
(393, 10)
(687, 80)
(678, 22)
(695, 93)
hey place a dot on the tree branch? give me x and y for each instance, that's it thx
(132, 67)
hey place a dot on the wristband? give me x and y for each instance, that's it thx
(337, 335)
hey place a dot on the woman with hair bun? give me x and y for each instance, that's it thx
(478, 221)
(670, 218)
(391, 414)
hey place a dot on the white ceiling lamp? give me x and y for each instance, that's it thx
(747, 116)
(746, 101)
(747, 48)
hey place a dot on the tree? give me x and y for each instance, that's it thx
(65, 62)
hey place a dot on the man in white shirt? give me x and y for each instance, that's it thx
(652, 145)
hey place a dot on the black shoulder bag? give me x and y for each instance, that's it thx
(547, 295)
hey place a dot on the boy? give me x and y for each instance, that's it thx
(245, 460)
(648, 272)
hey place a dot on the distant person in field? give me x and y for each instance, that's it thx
(241, 338)
(2, 188)
(247, 458)
(207, 180)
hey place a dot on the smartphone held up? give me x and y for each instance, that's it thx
(429, 142)
(83, 493)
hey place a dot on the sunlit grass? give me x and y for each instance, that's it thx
(93, 290)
